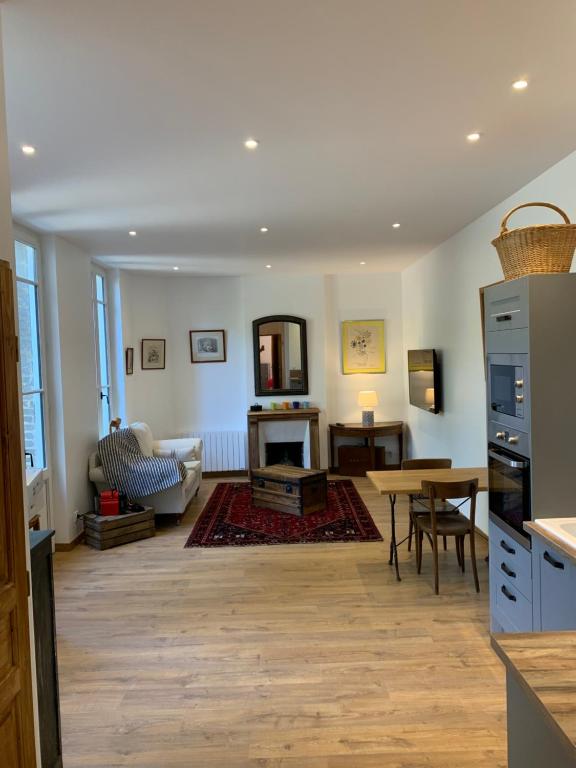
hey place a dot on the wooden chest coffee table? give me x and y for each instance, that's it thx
(289, 489)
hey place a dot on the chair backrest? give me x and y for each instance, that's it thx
(460, 489)
(426, 464)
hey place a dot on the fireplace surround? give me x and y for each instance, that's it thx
(276, 426)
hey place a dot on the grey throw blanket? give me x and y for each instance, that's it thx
(129, 471)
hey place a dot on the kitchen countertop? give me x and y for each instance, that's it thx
(557, 541)
(545, 665)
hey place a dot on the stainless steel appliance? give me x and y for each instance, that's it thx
(509, 390)
(509, 486)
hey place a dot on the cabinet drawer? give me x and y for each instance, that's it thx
(510, 606)
(511, 561)
(506, 306)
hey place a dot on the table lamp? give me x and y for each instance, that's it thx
(367, 399)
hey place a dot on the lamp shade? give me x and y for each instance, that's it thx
(367, 398)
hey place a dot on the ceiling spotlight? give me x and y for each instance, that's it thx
(268, 266)
(362, 263)
(472, 137)
(264, 230)
(28, 149)
(520, 85)
(251, 143)
(132, 233)
(396, 225)
(175, 269)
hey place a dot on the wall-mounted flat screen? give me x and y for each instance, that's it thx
(424, 379)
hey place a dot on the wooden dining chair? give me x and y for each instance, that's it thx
(459, 526)
(418, 504)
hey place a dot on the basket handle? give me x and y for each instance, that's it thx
(503, 227)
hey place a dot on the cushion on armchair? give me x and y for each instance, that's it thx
(185, 449)
(144, 436)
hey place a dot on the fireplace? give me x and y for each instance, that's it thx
(288, 452)
(284, 427)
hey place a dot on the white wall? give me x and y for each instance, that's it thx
(71, 369)
(441, 309)
(185, 397)
(215, 397)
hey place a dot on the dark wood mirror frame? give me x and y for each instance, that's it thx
(301, 390)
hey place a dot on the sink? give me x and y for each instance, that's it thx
(563, 528)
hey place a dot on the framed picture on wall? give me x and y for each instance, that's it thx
(153, 354)
(363, 348)
(208, 346)
(129, 361)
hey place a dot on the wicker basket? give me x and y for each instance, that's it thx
(543, 248)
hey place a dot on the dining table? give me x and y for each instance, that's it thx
(409, 482)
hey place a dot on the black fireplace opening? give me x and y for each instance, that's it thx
(290, 453)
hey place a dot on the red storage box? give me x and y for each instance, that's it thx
(109, 503)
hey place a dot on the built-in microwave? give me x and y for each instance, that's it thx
(509, 390)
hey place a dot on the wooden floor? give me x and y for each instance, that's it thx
(296, 656)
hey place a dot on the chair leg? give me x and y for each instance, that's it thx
(435, 554)
(420, 537)
(458, 555)
(462, 555)
(410, 530)
(473, 559)
(445, 546)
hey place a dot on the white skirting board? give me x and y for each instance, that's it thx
(223, 451)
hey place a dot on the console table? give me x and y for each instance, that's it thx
(363, 458)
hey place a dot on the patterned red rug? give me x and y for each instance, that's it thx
(230, 520)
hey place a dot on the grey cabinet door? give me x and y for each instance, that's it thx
(557, 589)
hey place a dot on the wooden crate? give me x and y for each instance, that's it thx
(289, 489)
(106, 532)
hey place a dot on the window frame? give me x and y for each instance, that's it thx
(96, 302)
(24, 238)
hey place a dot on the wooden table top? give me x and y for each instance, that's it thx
(545, 663)
(409, 481)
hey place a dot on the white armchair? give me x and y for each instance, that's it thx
(174, 500)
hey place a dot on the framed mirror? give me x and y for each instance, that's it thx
(280, 355)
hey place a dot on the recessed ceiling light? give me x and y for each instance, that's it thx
(268, 266)
(175, 269)
(396, 225)
(132, 233)
(362, 263)
(472, 137)
(264, 230)
(520, 85)
(28, 149)
(251, 143)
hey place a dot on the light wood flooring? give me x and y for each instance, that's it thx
(296, 656)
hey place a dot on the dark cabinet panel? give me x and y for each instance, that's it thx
(45, 646)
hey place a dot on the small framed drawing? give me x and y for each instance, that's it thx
(129, 361)
(153, 354)
(208, 346)
(363, 346)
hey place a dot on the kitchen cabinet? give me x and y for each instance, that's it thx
(554, 605)
(511, 607)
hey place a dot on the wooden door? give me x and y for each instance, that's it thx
(17, 748)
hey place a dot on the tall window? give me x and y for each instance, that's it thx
(27, 279)
(102, 356)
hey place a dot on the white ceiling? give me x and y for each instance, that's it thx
(139, 110)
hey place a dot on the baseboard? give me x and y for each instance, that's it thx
(71, 544)
(228, 473)
(480, 533)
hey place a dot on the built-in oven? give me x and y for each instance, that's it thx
(509, 390)
(509, 487)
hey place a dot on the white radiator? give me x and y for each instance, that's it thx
(223, 451)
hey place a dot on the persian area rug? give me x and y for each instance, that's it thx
(229, 519)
